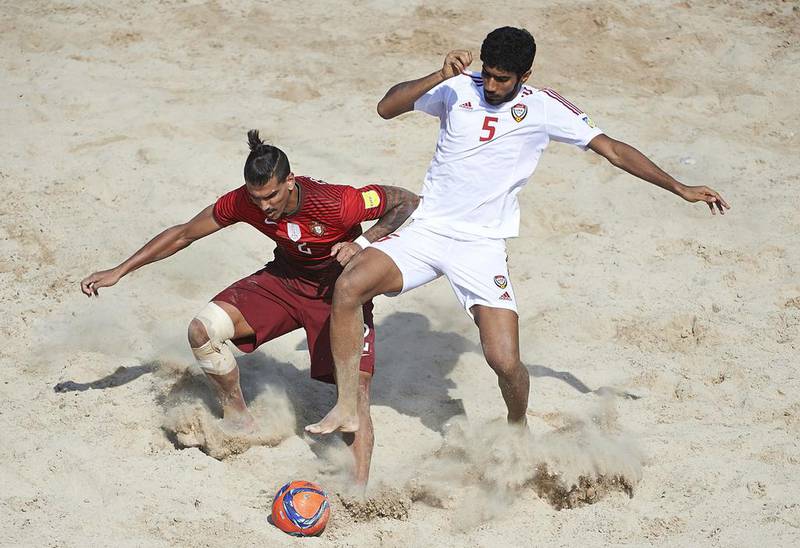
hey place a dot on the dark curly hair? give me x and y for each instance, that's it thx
(264, 161)
(510, 49)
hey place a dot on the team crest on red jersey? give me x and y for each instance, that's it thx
(519, 111)
(317, 229)
(500, 281)
(293, 231)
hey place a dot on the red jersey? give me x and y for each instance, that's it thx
(328, 214)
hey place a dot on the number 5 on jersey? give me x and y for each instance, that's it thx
(489, 128)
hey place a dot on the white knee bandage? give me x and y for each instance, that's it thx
(215, 356)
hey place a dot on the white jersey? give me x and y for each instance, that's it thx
(485, 154)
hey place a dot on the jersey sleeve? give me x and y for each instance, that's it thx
(362, 204)
(566, 123)
(228, 207)
(434, 102)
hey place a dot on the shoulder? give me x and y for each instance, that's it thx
(234, 196)
(468, 82)
(459, 84)
(472, 79)
(551, 97)
(463, 89)
(320, 195)
(317, 188)
(231, 206)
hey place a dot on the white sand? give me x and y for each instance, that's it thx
(119, 120)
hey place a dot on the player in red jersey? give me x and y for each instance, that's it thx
(317, 229)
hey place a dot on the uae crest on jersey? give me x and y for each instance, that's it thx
(519, 111)
(500, 281)
(317, 229)
(293, 231)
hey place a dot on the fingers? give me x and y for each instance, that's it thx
(457, 61)
(712, 198)
(464, 57)
(719, 203)
(87, 286)
(345, 256)
(344, 251)
(91, 284)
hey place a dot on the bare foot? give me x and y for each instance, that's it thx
(521, 424)
(335, 420)
(239, 422)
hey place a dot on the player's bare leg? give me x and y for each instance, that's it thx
(235, 414)
(368, 274)
(362, 441)
(499, 331)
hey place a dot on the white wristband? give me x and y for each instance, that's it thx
(362, 242)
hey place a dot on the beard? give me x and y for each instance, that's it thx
(499, 100)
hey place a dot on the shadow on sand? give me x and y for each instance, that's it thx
(411, 376)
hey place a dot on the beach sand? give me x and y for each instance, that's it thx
(662, 342)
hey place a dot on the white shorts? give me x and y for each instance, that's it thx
(476, 267)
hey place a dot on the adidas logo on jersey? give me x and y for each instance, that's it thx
(466, 106)
(505, 296)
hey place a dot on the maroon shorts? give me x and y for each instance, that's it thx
(274, 304)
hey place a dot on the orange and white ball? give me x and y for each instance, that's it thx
(301, 509)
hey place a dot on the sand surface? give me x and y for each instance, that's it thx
(663, 343)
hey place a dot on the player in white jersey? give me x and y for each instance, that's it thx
(493, 129)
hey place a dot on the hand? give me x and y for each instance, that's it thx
(704, 194)
(455, 63)
(105, 278)
(344, 251)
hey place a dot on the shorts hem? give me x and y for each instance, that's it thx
(404, 289)
(482, 302)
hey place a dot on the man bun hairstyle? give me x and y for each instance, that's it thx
(264, 161)
(510, 49)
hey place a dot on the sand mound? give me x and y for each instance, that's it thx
(387, 503)
(189, 421)
(193, 426)
(579, 463)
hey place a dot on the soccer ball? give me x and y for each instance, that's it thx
(301, 509)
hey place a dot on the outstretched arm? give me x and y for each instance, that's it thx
(401, 97)
(624, 156)
(400, 204)
(162, 246)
